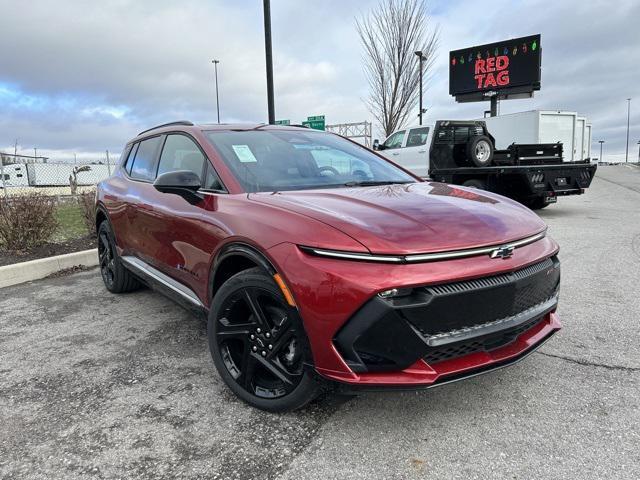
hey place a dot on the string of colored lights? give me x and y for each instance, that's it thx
(514, 51)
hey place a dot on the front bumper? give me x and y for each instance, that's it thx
(360, 339)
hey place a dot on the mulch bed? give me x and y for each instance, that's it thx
(9, 257)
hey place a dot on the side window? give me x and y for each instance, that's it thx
(181, 153)
(395, 140)
(143, 167)
(132, 155)
(212, 181)
(417, 137)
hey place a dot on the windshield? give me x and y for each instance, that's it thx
(272, 160)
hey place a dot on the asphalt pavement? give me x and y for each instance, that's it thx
(94, 385)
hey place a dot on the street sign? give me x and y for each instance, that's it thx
(283, 122)
(314, 125)
(316, 122)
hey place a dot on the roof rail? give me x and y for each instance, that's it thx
(179, 122)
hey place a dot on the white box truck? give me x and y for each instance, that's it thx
(542, 126)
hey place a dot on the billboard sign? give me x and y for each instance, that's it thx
(510, 66)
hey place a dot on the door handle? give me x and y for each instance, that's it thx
(395, 154)
(422, 151)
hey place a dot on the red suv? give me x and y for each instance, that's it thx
(318, 262)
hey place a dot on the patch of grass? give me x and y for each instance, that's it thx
(71, 223)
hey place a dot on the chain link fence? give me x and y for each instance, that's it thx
(21, 175)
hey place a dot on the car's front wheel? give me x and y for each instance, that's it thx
(258, 344)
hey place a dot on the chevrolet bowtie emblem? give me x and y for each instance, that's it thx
(504, 252)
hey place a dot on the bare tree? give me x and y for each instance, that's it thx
(390, 35)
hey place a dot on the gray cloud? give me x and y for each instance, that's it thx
(91, 75)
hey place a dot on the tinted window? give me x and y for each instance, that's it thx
(417, 136)
(395, 140)
(144, 162)
(181, 153)
(132, 155)
(271, 160)
(212, 181)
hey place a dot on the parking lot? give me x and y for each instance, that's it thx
(94, 384)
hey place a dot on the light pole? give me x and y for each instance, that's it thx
(35, 154)
(269, 58)
(421, 57)
(638, 152)
(628, 118)
(601, 142)
(215, 67)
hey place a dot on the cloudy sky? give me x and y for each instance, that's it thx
(82, 77)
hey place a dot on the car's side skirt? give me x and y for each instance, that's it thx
(180, 292)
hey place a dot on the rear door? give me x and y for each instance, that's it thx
(414, 156)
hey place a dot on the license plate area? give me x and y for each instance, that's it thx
(561, 181)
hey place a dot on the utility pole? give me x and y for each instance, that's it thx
(215, 67)
(601, 142)
(638, 152)
(75, 158)
(35, 154)
(628, 118)
(269, 59)
(421, 57)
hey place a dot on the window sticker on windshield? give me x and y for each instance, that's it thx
(244, 153)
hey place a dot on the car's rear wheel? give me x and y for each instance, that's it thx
(258, 344)
(116, 278)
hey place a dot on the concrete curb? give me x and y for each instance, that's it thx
(36, 269)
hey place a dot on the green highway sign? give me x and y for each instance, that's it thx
(283, 122)
(316, 122)
(314, 125)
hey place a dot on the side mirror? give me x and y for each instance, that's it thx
(376, 144)
(180, 182)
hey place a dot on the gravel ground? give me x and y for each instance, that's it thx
(94, 385)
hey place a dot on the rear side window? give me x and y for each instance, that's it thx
(130, 157)
(181, 153)
(143, 167)
(417, 137)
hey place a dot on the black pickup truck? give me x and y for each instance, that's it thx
(463, 153)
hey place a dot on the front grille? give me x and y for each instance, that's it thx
(444, 308)
(440, 322)
(484, 344)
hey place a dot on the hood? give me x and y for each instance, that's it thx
(413, 218)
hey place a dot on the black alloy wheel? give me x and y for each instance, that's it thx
(258, 344)
(116, 278)
(107, 259)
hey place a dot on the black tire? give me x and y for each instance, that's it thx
(537, 203)
(248, 314)
(116, 278)
(480, 150)
(475, 183)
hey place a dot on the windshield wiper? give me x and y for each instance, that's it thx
(372, 183)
